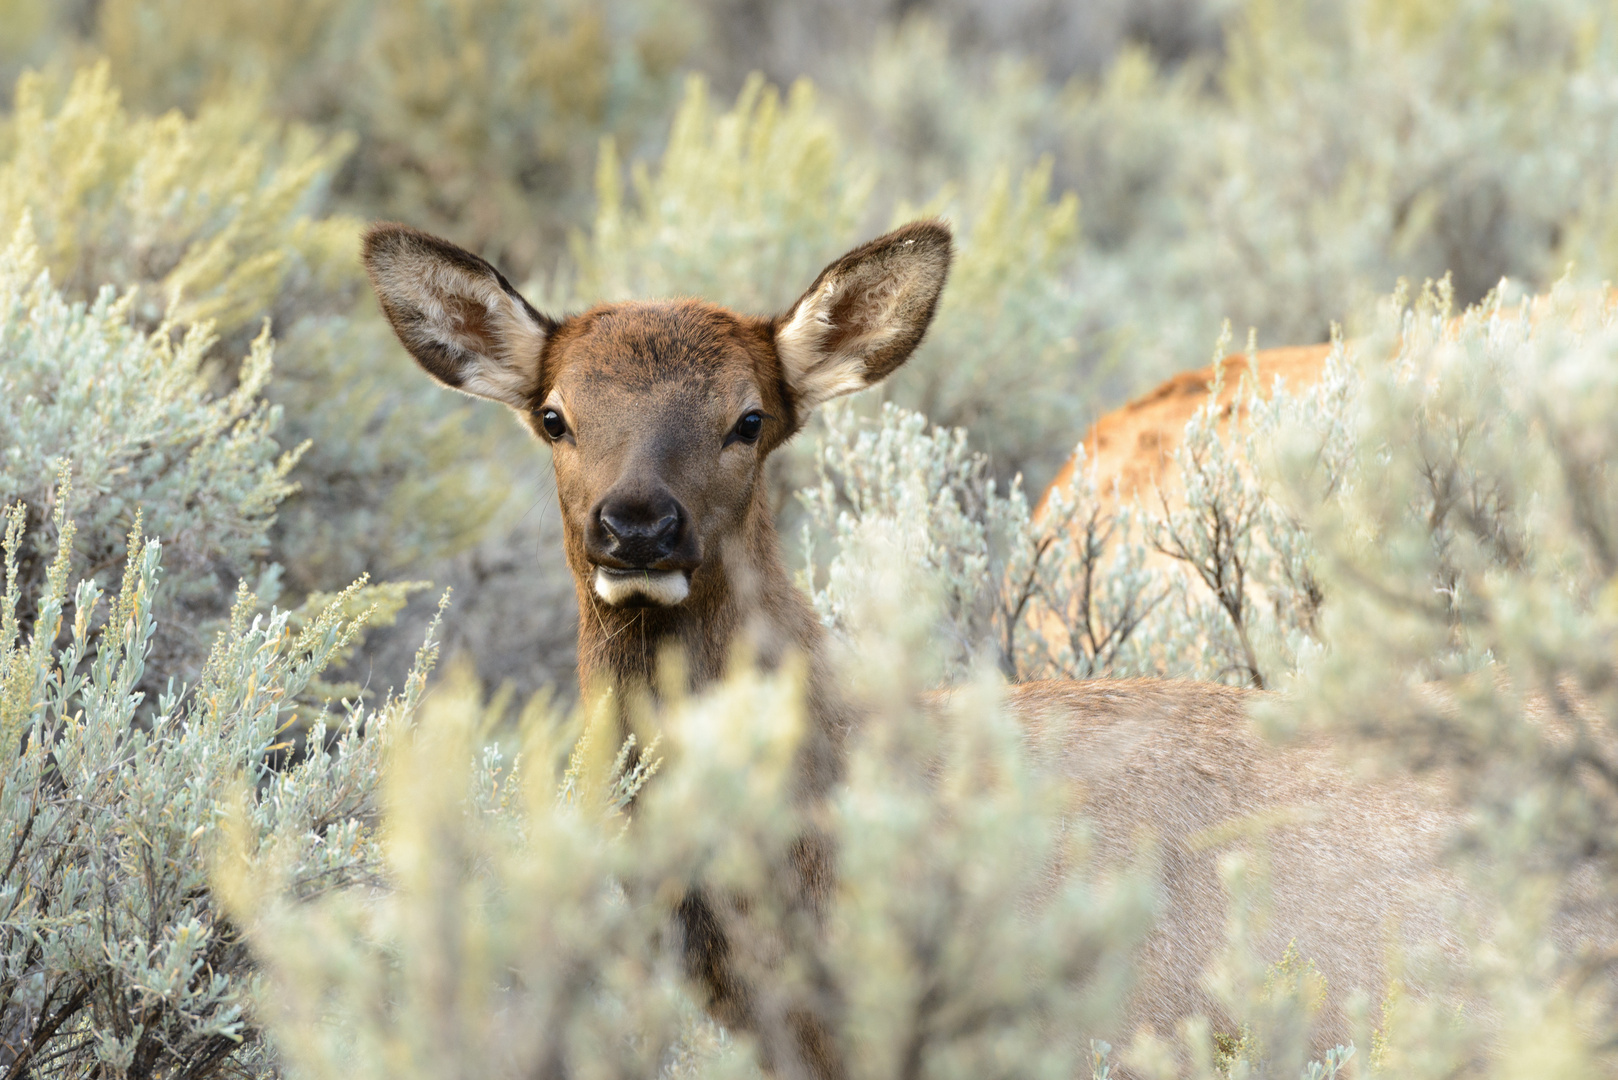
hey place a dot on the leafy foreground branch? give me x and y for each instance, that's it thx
(527, 931)
(115, 960)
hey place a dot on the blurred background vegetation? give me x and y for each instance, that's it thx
(1123, 176)
(183, 319)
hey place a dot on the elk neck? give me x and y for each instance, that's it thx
(743, 607)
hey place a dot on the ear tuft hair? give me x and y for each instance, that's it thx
(458, 316)
(864, 315)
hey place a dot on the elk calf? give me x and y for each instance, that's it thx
(660, 417)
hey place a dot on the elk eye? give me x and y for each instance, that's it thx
(552, 422)
(747, 429)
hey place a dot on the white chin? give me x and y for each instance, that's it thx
(666, 587)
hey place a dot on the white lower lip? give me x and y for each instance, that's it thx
(666, 587)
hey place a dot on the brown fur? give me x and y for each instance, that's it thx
(1131, 448)
(648, 392)
(1179, 767)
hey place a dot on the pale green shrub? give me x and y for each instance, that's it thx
(933, 491)
(218, 219)
(524, 926)
(1246, 597)
(114, 957)
(1084, 588)
(478, 119)
(1459, 510)
(1470, 626)
(129, 414)
(208, 219)
(933, 118)
(1061, 597)
(1351, 143)
(1002, 357)
(744, 208)
(936, 117)
(482, 117)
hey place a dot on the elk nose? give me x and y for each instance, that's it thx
(638, 532)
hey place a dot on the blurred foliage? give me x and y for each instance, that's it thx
(208, 226)
(744, 208)
(524, 930)
(1279, 173)
(1330, 149)
(1002, 357)
(1355, 143)
(1480, 499)
(207, 219)
(477, 119)
(1465, 549)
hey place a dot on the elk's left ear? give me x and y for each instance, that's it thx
(864, 314)
(458, 316)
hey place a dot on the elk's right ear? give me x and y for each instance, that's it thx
(460, 319)
(864, 315)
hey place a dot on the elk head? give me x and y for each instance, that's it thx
(660, 415)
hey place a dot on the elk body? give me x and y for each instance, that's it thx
(660, 417)
(1129, 450)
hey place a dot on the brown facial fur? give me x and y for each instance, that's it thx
(649, 393)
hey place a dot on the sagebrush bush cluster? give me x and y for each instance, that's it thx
(115, 958)
(1216, 581)
(128, 414)
(211, 225)
(532, 918)
(936, 893)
